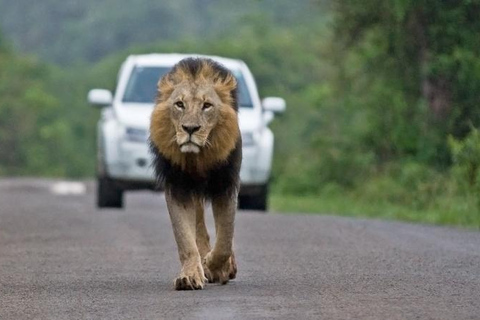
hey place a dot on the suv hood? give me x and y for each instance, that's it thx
(134, 115)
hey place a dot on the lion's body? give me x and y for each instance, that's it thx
(195, 140)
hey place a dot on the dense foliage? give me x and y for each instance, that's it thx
(45, 128)
(67, 31)
(28, 143)
(420, 64)
(382, 116)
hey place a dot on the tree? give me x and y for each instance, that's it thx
(426, 52)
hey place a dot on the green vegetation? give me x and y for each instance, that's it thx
(44, 126)
(28, 140)
(383, 108)
(405, 86)
(409, 192)
(73, 31)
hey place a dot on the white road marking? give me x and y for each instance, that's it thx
(65, 188)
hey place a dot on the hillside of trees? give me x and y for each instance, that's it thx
(383, 110)
(71, 30)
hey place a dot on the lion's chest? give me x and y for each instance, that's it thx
(221, 178)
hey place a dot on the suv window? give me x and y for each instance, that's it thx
(142, 86)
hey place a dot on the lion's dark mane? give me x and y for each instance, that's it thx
(220, 180)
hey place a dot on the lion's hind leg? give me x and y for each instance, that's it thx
(202, 237)
(183, 218)
(220, 264)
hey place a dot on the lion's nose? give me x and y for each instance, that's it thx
(191, 129)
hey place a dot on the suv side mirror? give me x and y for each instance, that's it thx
(100, 97)
(274, 104)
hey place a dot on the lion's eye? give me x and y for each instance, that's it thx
(207, 106)
(180, 105)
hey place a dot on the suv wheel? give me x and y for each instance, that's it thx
(108, 194)
(256, 201)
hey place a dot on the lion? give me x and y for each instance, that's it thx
(196, 143)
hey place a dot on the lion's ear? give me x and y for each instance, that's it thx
(229, 83)
(225, 86)
(165, 87)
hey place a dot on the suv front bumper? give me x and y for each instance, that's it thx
(134, 163)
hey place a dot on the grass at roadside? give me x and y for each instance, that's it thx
(445, 211)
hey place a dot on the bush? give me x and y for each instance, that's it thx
(466, 161)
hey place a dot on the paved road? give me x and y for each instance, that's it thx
(60, 258)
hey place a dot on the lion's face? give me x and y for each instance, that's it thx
(195, 122)
(195, 110)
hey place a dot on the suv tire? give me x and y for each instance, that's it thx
(108, 194)
(256, 201)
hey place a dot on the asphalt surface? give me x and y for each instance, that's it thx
(60, 258)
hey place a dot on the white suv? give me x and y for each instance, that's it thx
(123, 159)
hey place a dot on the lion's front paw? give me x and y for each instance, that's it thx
(220, 271)
(190, 280)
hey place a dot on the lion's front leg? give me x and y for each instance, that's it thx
(220, 265)
(183, 218)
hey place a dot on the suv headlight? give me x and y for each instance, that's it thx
(136, 135)
(248, 139)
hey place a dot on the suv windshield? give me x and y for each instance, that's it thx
(142, 86)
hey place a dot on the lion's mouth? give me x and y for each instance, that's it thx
(190, 147)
